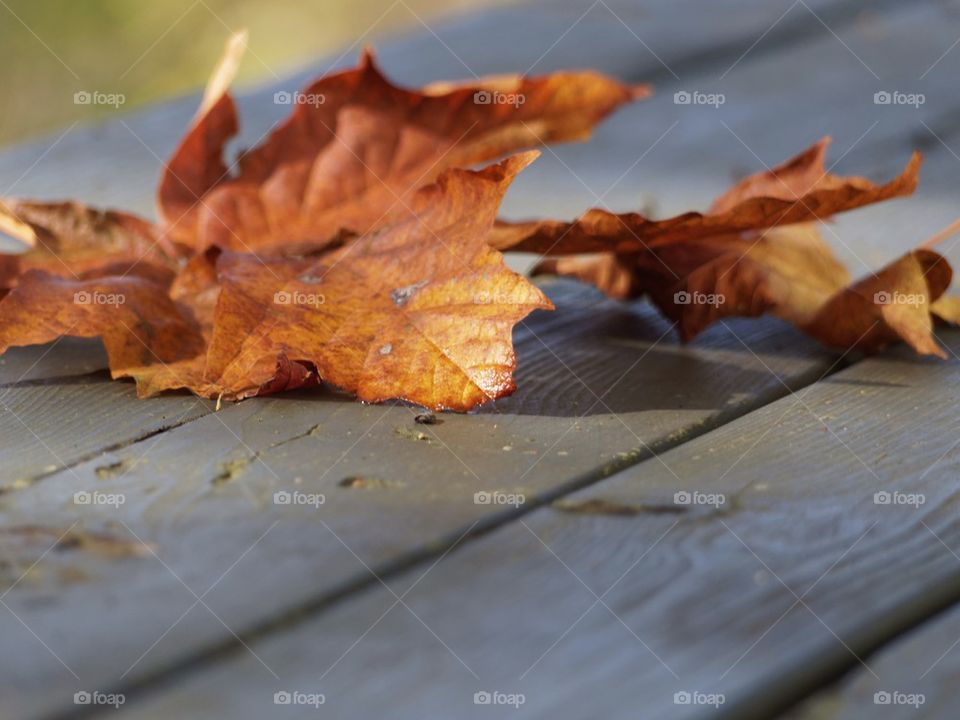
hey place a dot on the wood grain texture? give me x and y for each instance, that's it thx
(796, 574)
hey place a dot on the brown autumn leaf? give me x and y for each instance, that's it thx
(422, 310)
(744, 259)
(355, 148)
(895, 303)
(947, 309)
(798, 191)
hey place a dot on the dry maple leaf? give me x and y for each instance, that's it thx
(898, 302)
(76, 241)
(697, 276)
(801, 190)
(789, 272)
(422, 310)
(356, 147)
(378, 270)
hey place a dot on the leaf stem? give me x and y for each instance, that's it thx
(951, 229)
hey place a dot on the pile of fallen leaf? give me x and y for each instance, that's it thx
(355, 246)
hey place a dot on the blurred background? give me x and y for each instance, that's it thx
(53, 49)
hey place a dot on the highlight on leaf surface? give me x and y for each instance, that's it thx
(800, 190)
(11, 226)
(356, 147)
(895, 303)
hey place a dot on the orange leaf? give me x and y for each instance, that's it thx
(421, 311)
(895, 303)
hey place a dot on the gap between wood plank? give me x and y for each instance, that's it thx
(20, 483)
(834, 666)
(57, 379)
(837, 665)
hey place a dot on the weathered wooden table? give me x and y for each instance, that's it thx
(598, 596)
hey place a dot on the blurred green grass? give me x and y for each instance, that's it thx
(147, 51)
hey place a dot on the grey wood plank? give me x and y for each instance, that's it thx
(202, 495)
(796, 575)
